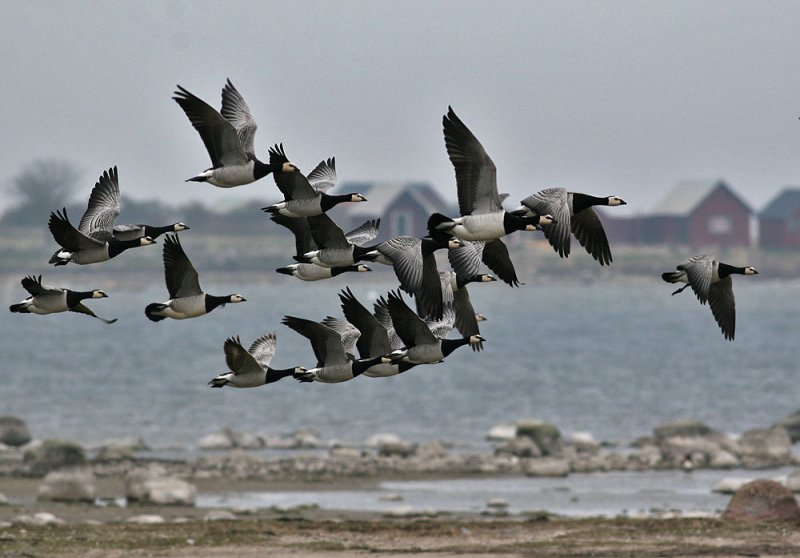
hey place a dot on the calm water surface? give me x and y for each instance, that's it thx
(612, 359)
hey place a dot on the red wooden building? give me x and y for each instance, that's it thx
(779, 222)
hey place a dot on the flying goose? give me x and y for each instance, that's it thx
(334, 247)
(421, 345)
(304, 243)
(374, 339)
(480, 204)
(454, 293)
(711, 282)
(186, 298)
(414, 264)
(93, 241)
(301, 197)
(494, 254)
(334, 365)
(573, 211)
(229, 137)
(251, 368)
(46, 299)
(132, 232)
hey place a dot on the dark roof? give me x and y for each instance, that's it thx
(784, 206)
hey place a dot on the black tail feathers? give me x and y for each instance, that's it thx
(151, 309)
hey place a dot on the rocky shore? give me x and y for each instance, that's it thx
(65, 472)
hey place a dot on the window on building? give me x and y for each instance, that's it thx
(720, 224)
(402, 223)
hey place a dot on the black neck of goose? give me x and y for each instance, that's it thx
(513, 223)
(116, 247)
(359, 366)
(74, 297)
(330, 201)
(154, 232)
(360, 251)
(582, 201)
(723, 270)
(450, 345)
(462, 281)
(274, 375)
(430, 245)
(261, 169)
(214, 301)
(344, 269)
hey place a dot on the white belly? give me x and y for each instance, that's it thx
(230, 177)
(487, 226)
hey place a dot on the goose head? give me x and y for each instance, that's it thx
(146, 241)
(475, 339)
(485, 278)
(546, 219)
(614, 201)
(299, 370)
(357, 198)
(454, 243)
(177, 227)
(361, 268)
(288, 166)
(97, 293)
(236, 298)
(750, 270)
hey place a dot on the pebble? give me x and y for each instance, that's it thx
(146, 519)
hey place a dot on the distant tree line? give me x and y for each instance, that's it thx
(49, 184)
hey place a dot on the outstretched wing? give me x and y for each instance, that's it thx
(476, 174)
(409, 327)
(67, 236)
(219, 136)
(35, 287)
(374, 340)
(698, 271)
(326, 233)
(348, 333)
(553, 201)
(496, 258)
(236, 111)
(238, 359)
(302, 232)
(723, 306)
(326, 343)
(263, 348)
(589, 231)
(323, 177)
(364, 233)
(179, 272)
(103, 208)
(80, 308)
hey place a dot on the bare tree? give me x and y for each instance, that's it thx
(43, 186)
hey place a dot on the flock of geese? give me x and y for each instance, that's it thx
(391, 338)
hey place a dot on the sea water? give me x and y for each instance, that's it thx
(614, 359)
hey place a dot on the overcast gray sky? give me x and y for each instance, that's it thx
(624, 98)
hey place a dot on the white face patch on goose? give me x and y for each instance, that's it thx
(546, 219)
(289, 167)
(180, 227)
(237, 298)
(454, 243)
(146, 241)
(363, 268)
(358, 198)
(99, 294)
(487, 278)
(475, 339)
(614, 201)
(750, 270)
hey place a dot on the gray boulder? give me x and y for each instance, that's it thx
(163, 491)
(68, 486)
(545, 434)
(430, 450)
(520, 447)
(681, 427)
(13, 431)
(547, 467)
(390, 444)
(793, 481)
(765, 447)
(502, 432)
(215, 441)
(52, 455)
(791, 423)
(762, 500)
